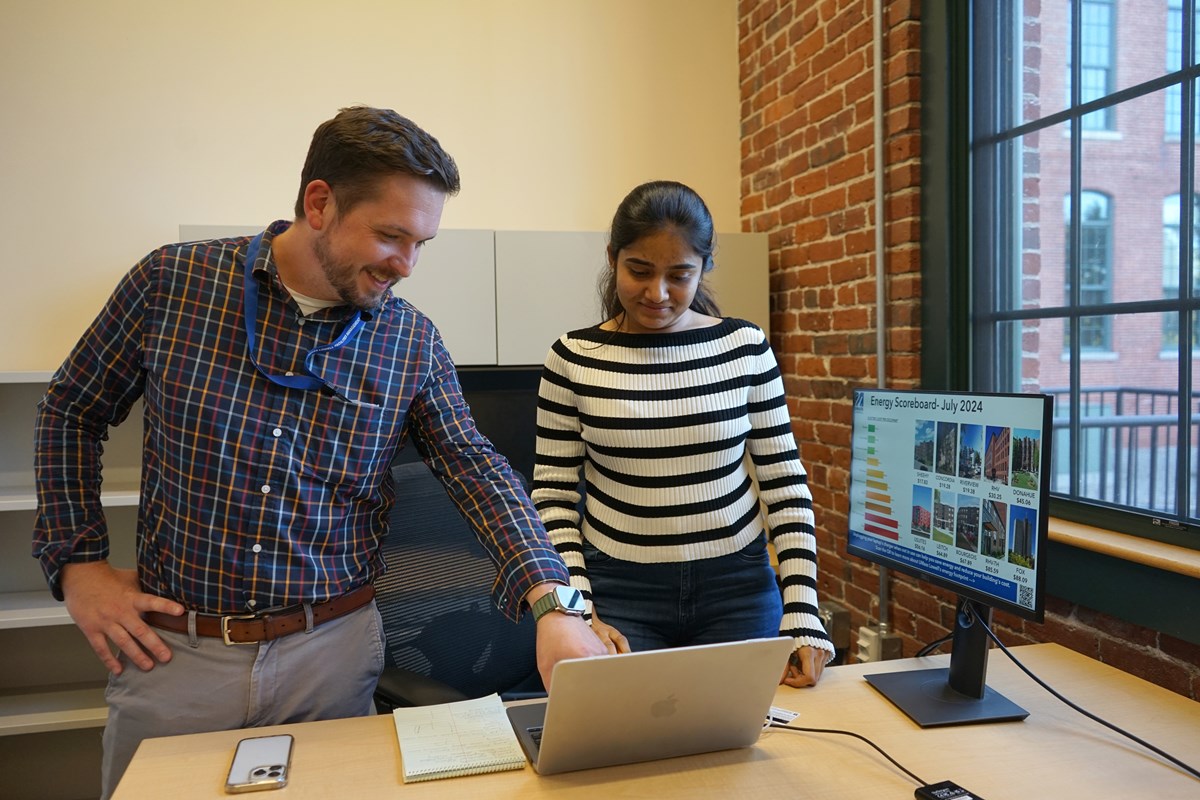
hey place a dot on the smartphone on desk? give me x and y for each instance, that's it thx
(259, 763)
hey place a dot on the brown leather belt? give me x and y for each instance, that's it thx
(255, 628)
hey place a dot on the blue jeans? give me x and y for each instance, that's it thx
(723, 599)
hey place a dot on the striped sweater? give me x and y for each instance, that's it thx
(660, 425)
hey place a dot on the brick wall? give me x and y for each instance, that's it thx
(807, 118)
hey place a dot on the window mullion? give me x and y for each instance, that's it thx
(1185, 504)
(1075, 234)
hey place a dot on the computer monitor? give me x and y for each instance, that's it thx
(953, 488)
(503, 403)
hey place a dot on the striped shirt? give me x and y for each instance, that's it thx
(254, 495)
(660, 425)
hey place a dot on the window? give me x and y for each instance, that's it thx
(1096, 58)
(1171, 261)
(1174, 48)
(1095, 257)
(1065, 290)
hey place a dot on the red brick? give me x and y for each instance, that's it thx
(752, 204)
(829, 202)
(904, 204)
(907, 340)
(848, 168)
(860, 242)
(904, 368)
(848, 367)
(850, 68)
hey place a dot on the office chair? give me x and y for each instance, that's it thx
(446, 640)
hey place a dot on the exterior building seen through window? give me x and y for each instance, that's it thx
(1084, 262)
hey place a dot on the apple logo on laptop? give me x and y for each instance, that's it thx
(664, 708)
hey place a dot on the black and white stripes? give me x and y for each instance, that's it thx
(671, 433)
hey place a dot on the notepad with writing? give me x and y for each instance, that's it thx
(451, 739)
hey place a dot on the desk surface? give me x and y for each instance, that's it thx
(1056, 752)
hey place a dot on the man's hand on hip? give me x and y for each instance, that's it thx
(107, 604)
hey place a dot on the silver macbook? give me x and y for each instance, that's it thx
(655, 704)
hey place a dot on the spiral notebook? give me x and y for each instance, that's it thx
(452, 739)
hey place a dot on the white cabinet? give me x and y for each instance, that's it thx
(548, 283)
(501, 298)
(545, 286)
(454, 284)
(741, 280)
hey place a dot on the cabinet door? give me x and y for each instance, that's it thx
(546, 284)
(503, 297)
(740, 280)
(454, 284)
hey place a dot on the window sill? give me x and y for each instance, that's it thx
(1090, 355)
(1159, 555)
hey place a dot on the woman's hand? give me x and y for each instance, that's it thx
(804, 667)
(609, 636)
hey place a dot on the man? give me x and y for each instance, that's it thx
(279, 377)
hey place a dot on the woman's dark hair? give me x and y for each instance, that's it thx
(648, 209)
(361, 145)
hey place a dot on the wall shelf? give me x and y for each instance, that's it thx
(31, 610)
(58, 708)
(50, 681)
(22, 499)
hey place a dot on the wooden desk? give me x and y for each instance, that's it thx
(1054, 753)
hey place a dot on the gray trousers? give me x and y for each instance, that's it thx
(327, 673)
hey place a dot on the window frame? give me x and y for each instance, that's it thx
(1082, 575)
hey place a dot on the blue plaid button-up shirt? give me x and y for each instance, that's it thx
(254, 495)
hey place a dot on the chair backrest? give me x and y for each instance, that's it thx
(435, 597)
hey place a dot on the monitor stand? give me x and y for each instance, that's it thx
(957, 695)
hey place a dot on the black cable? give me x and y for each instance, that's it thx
(929, 648)
(933, 646)
(1192, 770)
(860, 737)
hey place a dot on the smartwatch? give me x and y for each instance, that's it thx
(563, 599)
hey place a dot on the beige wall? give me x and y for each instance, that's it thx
(125, 118)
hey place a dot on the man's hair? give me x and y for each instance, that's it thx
(356, 149)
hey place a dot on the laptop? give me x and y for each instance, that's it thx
(621, 709)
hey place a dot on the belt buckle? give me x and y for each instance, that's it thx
(225, 620)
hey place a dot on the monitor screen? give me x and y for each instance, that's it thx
(953, 488)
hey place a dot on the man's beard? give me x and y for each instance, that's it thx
(342, 277)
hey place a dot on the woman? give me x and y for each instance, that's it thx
(657, 407)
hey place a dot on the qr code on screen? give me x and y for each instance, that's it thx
(1025, 596)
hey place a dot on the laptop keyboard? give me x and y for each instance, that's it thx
(536, 734)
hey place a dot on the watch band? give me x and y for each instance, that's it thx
(563, 599)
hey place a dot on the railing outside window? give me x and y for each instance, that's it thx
(1128, 448)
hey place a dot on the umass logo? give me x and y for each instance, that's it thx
(858, 400)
